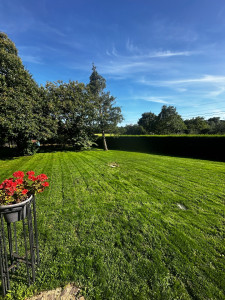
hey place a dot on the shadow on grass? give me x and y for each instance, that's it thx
(11, 153)
(207, 148)
(192, 156)
(7, 153)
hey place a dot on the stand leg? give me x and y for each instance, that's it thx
(10, 244)
(35, 230)
(1, 266)
(26, 255)
(4, 257)
(31, 239)
(15, 237)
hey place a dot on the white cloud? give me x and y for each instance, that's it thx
(131, 47)
(113, 52)
(204, 79)
(170, 53)
(208, 79)
(138, 61)
(216, 92)
(31, 59)
(181, 90)
(152, 99)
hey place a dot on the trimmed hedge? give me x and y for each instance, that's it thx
(199, 146)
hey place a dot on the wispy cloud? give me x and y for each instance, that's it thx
(170, 30)
(145, 97)
(208, 79)
(170, 53)
(131, 47)
(204, 79)
(48, 29)
(136, 61)
(152, 99)
(112, 52)
(216, 93)
(181, 90)
(31, 59)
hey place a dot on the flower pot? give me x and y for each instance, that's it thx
(15, 212)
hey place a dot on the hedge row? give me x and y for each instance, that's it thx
(205, 147)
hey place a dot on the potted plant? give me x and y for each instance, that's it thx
(17, 192)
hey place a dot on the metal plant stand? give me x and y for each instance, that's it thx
(11, 255)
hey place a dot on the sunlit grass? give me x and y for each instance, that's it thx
(121, 233)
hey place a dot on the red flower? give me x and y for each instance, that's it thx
(18, 174)
(32, 177)
(8, 183)
(19, 181)
(30, 173)
(14, 190)
(42, 177)
(24, 192)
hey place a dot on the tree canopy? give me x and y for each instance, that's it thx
(73, 112)
(168, 121)
(21, 106)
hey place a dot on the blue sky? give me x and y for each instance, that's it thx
(151, 52)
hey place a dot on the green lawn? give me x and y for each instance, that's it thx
(119, 233)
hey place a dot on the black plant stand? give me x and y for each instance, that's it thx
(10, 254)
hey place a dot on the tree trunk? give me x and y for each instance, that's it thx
(104, 141)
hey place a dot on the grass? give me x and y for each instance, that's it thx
(119, 233)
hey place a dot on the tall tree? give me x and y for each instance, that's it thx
(169, 121)
(107, 116)
(148, 122)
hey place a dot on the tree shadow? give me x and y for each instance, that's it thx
(207, 148)
(215, 158)
(7, 153)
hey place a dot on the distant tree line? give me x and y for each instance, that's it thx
(59, 112)
(169, 121)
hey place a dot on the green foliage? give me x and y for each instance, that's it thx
(23, 113)
(216, 126)
(73, 112)
(134, 130)
(118, 233)
(169, 122)
(97, 83)
(197, 126)
(148, 122)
